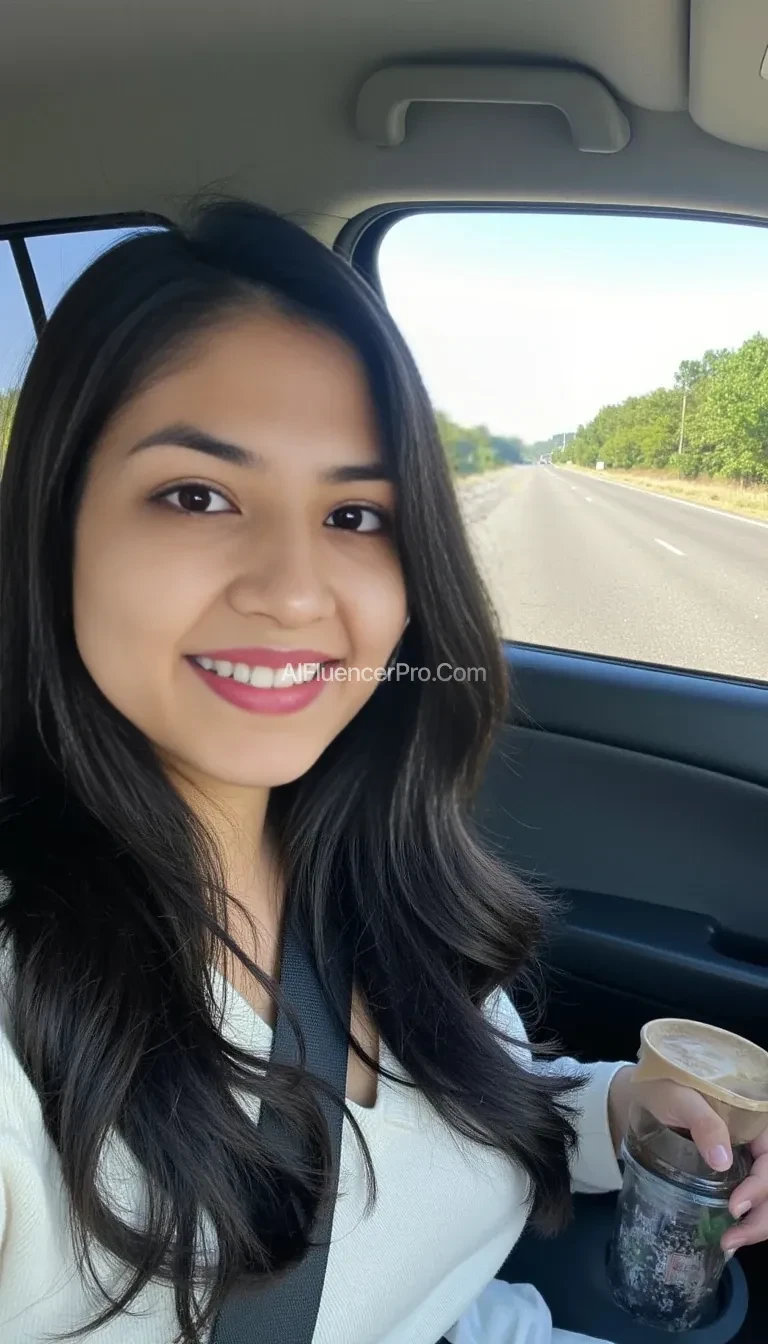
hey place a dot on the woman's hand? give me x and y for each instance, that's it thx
(682, 1108)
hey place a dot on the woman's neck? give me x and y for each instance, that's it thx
(235, 820)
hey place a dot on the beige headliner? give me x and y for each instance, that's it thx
(113, 105)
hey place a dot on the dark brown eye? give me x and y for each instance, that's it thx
(356, 518)
(197, 498)
(194, 498)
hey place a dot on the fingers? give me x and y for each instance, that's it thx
(752, 1229)
(682, 1108)
(753, 1189)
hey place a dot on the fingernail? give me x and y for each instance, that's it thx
(741, 1209)
(729, 1254)
(719, 1158)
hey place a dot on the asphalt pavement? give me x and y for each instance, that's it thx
(576, 562)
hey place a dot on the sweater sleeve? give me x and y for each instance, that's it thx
(594, 1167)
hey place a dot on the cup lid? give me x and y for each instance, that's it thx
(713, 1061)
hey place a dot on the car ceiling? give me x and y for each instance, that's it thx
(108, 106)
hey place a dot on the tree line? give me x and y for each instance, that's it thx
(712, 422)
(471, 449)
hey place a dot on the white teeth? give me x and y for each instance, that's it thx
(265, 678)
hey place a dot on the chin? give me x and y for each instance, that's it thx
(266, 767)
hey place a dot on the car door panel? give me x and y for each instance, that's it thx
(652, 825)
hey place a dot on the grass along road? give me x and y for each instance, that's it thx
(480, 495)
(746, 501)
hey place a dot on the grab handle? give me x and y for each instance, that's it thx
(597, 123)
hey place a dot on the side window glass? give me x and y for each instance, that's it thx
(58, 258)
(601, 382)
(17, 338)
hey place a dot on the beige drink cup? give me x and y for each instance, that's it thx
(666, 1261)
(730, 1071)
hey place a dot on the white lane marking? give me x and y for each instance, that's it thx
(575, 491)
(705, 508)
(588, 498)
(667, 546)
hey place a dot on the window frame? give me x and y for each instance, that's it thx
(17, 233)
(360, 239)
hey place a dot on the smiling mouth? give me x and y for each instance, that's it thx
(262, 677)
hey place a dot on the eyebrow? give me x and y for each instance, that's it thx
(187, 436)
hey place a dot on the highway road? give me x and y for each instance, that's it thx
(581, 563)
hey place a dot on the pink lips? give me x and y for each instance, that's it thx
(256, 699)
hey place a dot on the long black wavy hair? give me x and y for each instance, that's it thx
(116, 907)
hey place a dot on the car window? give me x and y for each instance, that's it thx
(17, 337)
(58, 258)
(602, 389)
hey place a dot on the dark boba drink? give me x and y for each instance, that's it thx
(665, 1260)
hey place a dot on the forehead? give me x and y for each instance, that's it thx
(259, 372)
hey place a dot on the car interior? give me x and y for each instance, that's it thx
(635, 791)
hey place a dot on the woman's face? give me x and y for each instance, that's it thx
(236, 529)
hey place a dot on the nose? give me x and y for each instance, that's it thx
(282, 577)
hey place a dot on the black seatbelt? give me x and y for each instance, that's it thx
(286, 1311)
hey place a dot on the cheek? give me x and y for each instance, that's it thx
(376, 607)
(132, 608)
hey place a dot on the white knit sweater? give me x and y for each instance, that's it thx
(447, 1215)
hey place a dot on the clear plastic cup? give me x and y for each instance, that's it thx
(665, 1260)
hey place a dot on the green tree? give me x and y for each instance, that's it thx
(8, 402)
(716, 410)
(690, 380)
(509, 450)
(470, 449)
(730, 431)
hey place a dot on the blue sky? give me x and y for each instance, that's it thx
(531, 322)
(525, 322)
(57, 260)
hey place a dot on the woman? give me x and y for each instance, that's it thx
(224, 514)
